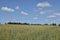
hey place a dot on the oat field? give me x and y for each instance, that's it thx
(29, 32)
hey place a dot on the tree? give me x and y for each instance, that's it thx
(26, 23)
(45, 24)
(59, 25)
(54, 24)
(18, 23)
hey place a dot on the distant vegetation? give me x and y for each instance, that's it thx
(17, 23)
(45, 24)
(59, 25)
(53, 24)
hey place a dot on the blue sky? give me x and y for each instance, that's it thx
(30, 11)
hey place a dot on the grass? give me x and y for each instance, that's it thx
(29, 32)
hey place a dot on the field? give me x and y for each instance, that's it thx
(29, 32)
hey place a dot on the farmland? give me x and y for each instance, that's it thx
(29, 32)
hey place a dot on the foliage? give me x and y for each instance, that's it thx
(17, 23)
(54, 24)
(58, 24)
(45, 24)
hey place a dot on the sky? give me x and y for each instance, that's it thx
(30, 11)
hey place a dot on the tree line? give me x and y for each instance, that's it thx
(17, 23)
(54, 24)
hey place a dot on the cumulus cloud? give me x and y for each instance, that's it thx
(17, 7)
(24, 13)
(43, 4)
(7, 9)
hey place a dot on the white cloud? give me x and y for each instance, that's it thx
(35, 18)
(24, 13)
(43, 4)
(7, 9)
(54, 15)
(46, 11)
(57, 14)
(17, 7)
(42, 12)
(51, 16)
